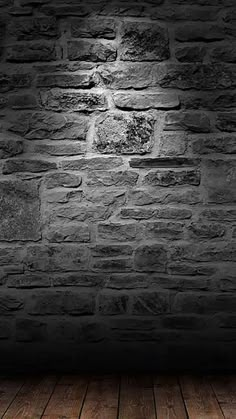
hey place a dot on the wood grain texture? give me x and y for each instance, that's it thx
(199, 398)
(168, 398)
(9, 387)
(32, 398)
(224, 387)
(137, 398)
(67, 399)
(102, 398)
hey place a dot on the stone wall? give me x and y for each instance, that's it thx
(118, 183)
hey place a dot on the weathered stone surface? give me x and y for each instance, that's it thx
(141, 101)
(219, 214)
(126, 76)
(192, 13)
(10, 304)
(150, 303)
(214, 144)
(164, 230)
(10, 82)
(119, 232)
(124, 134)
(105, 178)
(208, 231)
(23, 101)
(226, 122)
(186, 121)
(51, 126)
(172, 144)
(61, 302)
(112, 304)
(33, 28)
(219, 181)
(127, 281)
(172, 178)
(61, 148)
(204, 303)
(65, 80)
(141, 41)
(93, 28)
(19, 211)
(91, 51)
(29, 280)
(224, 53)
(112, 265)
(58, 100)
(60, 179)
(190, 54)
(163, 162)
(10, 146)
(94, 163)
(144, 197)
(78, 279)
(66, 10)
(34, 51)
(151, 258)
(56, 258)
(69, 232)
(195, 32)
(148, 213)
(198, 76)
(204, 252)
(34, 166)
(113, 250)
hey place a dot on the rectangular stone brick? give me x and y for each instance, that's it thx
(164, 230)
(112, 265)
(33, 51)
(163, 162)
(94, 51)
(126, 76)
(119, 232)
(150, 303)
(93, 28)
(61, 302)
(70, 232)
(151, 258)
(112, 304)
(105, 178)
(56, 258)
(94, 163)
(34, 166)
(193, 122)
(30, 28)
(65, 80)
(19, 211)
(141, 101)
(172, 178)
(60, 100)
(219, 181)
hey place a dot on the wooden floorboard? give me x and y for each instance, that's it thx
(143, 396)
(31, 399)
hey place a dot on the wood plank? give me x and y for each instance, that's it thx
(67, 399)
(32, 398)
(137, 398)
(199, 398)
(229, 410)
(224, 387)
(9, 388)
(102, 398)
(168, 398)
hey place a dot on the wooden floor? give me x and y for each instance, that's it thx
(111, 397)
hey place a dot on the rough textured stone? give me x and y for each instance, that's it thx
(144, 42)
(198, 76)
(150, 303)
(93, 28)
(13, 81)
(215, 144)
(35, 166)
(194, 122)
(61, 302)
(126, 76)
(205, 230)
(112, 304)
(60, 179)
(194, 32)
(164, 230)
(124, 134)
(190, 54)
(33, 28)
(151, 258)
(91, 51)
(141, 101)
(118, 232)
(10, 146)
(94, 163)
(56, 258)
(34, 51)
(101, 178)
(60, 149)
(65, 80)
(19, 211)
(219, 181)
(172, 178)
(70, 232)
(41, 125)
(57, 100)
(224, 53)
(226, 122)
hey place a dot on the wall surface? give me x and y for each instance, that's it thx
(117, 184)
